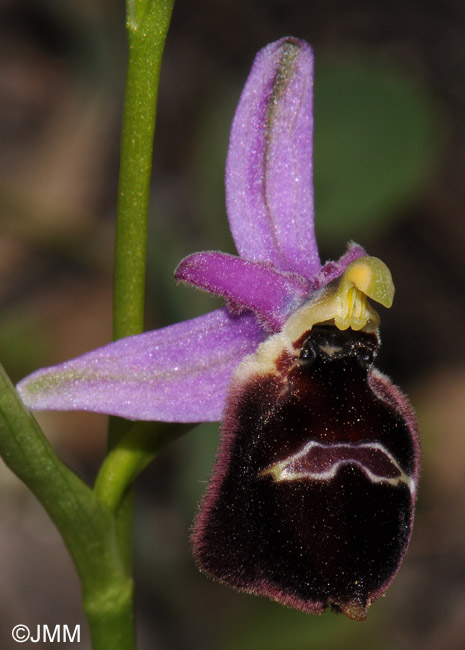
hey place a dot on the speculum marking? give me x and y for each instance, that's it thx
(320, 462)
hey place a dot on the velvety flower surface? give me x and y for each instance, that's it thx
(311, 499)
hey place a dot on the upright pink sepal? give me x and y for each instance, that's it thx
(269, 172)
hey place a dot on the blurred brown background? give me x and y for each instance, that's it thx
(389, 163)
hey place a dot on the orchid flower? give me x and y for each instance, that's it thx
(311, 499)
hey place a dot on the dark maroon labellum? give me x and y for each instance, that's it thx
(311, 500)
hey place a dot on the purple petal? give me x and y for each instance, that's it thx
(332, 270)
(271, 294)
(269, 184)
(176, 374)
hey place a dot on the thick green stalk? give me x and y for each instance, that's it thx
(136, 449)
(87, 527)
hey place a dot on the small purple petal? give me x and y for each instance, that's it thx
(257, 286)
(177, 374)
(269, 184)
(332, 270)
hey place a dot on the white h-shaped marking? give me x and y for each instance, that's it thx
(283, 471)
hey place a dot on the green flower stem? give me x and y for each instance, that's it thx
(147, 23)
(87, 527)
(136, 449)
(96, 526)
(147, 26)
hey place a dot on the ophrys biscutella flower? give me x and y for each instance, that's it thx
(311, 499)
